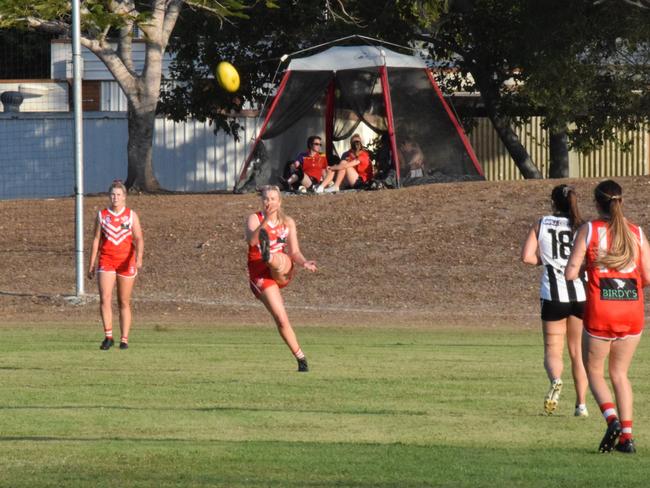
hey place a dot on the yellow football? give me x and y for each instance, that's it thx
(227, 76)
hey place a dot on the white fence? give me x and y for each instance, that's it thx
(36, 154)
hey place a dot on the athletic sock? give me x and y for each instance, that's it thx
(609, 412)
(299, 354)
(626, 432)
(124, 339)
(108, 334)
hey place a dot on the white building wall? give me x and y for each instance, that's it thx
(37, 156)
(93, 67)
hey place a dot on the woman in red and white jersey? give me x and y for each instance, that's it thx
(273, 251)
(617, 259)
(119, 244)
(549, 245)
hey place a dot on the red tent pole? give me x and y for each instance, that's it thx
(454, 120)
(283, 83)
(389, 119)
(329, 119)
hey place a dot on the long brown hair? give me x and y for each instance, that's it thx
(624, 246)
(565, 200)
(267, 188)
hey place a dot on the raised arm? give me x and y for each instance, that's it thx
(572, 271)
(530, 249)
(253, 226)
(294, 248)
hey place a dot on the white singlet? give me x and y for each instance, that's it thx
(555, 240)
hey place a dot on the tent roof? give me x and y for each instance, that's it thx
(355, 57)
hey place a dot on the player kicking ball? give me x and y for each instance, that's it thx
(273, 254)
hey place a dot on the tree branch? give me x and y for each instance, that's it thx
(172, 13)
(644, 4)
(114, 64)
(344, 16)
(51, 26)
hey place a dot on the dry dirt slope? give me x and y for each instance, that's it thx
(444, 254)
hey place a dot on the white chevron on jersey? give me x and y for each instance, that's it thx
(278, 235)
(115, 228)
(555, 241)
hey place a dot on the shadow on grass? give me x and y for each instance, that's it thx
(216, 409)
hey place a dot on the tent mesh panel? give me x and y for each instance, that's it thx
(430, 148)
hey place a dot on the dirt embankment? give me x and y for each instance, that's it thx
(443, 254)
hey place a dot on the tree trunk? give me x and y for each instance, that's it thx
(491, 99)
(515, 148)
(140, 175)
(559, 153)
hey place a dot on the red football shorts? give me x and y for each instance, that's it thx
(261, 279)
(121, 266)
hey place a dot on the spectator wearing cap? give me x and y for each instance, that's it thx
(354, 170)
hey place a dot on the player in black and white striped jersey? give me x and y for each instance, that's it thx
(549, 244)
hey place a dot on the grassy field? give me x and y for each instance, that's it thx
(224, 407)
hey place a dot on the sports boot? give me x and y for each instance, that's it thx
(265, 245)
(553, 396)
(626, 447)
(303, 367)
(610, 437)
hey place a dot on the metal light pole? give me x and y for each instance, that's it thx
(78, 147)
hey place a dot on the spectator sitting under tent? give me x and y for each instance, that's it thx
(411, 159)
(308, 170)
(354, 169)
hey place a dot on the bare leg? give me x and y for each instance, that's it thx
(329, 177)
(274, 303)
(340, 175)
(106, 282)
(124, 290)
(574, 340)
(620, 357)
(553, 348)
(280, 266)
(306, 181)
(351, 176)
(594, 353)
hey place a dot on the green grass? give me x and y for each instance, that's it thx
(224, 407)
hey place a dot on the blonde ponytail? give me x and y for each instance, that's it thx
(624, 246)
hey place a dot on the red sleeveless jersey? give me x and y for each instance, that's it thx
(117, 233)
(278, 236)
(614, 297)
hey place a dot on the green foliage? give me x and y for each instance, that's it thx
(13, 12)
(220, 406)
(583, 66)
(254, 46)
(98, 15)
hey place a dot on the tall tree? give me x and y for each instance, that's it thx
(581, 64)
(474, 38)
(255, 45)
(586, 68)
(107, 27)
